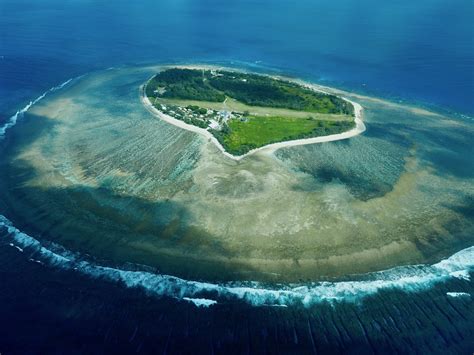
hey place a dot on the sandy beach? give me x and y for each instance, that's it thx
(269, 148)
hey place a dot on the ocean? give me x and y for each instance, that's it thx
(418, 52)
(56, 298)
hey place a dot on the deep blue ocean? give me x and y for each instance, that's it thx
(420, 52)
(416, 51)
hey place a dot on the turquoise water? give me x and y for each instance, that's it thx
(420, 53)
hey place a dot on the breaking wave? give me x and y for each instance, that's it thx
(14, 119)
(204, 294)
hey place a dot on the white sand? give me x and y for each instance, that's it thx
(358, 129)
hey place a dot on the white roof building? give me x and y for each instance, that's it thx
(214, 125)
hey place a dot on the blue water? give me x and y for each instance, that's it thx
(417, 51)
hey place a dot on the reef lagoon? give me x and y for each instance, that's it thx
(120, 232)
(93, 183)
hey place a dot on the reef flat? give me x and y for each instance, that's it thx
(89, 168)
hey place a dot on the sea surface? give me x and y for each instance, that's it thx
(54, 299)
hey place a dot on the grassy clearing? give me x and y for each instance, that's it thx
(258, 131)
(234, 105)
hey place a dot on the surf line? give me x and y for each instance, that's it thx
(20, 113)
(414, 278)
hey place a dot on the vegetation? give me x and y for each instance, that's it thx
(183, 84)
(251, 89)
(197, 110)
(259, 90)
(190, 114)
(248, 111)
(239, 137)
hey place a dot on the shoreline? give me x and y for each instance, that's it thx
(269, 148)
(151, 126)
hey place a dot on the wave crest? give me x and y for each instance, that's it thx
(405, 278)
(14, 119)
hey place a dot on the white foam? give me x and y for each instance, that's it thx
(16, 247)
(461, 274)
(36, 261)
(14, 119)
(200, 302)
(406, 278)
(458, 294)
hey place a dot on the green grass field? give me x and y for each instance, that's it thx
(257, 131)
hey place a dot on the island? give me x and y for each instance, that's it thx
(244, 112)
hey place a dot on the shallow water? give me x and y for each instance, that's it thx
(89, 168)
(70, 173)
